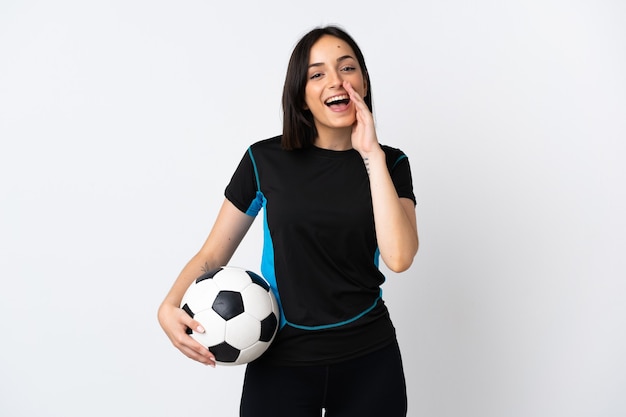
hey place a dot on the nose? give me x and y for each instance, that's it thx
(334, 79)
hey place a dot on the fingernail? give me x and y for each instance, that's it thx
(200, 329)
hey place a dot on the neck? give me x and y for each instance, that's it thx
(334, 139)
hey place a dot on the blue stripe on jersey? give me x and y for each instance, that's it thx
(377, 257)
(259, 201)
(256, 205)
(267, 263)
(267, 260)
(341, 323)
(400, 158)
(256, 171)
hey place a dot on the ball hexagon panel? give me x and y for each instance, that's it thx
(233, 279)
(252, 352)
(214, 326)
(242, 331)
(201, 296)
(258, 301)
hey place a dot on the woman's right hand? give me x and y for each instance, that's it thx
(175, 322)
(229, 229)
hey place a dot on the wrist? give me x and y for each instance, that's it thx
(373, 159)
(375, 152)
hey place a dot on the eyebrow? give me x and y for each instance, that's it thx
(341, 58)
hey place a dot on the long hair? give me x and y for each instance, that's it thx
(298, 125)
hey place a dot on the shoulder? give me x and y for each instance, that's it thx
(267, 144)
(268, 153)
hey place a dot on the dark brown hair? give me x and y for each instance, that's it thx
(298, 126)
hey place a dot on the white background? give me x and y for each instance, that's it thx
(122, 121)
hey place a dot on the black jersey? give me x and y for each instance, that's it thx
(320, 253)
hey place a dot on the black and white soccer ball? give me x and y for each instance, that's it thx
(238, 311)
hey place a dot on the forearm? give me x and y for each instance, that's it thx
(192, 270)
(229, 229)
(396, 229)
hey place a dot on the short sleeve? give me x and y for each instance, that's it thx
(400, 171)
(242, 190)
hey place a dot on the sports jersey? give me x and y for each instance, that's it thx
(320, 253)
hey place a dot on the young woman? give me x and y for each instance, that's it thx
(334, 201)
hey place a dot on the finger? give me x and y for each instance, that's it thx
(195, 350)
(189, 322)
(188, 345)
(359, 103)
(353, 93)
(203, 356)
(196, 326)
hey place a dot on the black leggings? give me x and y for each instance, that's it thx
(370, 385)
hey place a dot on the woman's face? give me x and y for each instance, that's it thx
(331, 62)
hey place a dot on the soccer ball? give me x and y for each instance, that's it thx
(238, 311)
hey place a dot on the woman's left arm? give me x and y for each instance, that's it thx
(394, 217)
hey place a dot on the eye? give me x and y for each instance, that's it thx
(315, 75)
(348, 68)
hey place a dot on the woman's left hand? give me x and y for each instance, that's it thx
(394, 218)
(364, 138)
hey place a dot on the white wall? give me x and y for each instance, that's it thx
(121, 122)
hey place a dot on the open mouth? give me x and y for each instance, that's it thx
(340, 100)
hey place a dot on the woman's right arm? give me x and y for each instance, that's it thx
(229, 229)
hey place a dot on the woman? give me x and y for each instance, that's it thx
(334, 200)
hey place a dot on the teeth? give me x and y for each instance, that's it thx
(337, 98)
